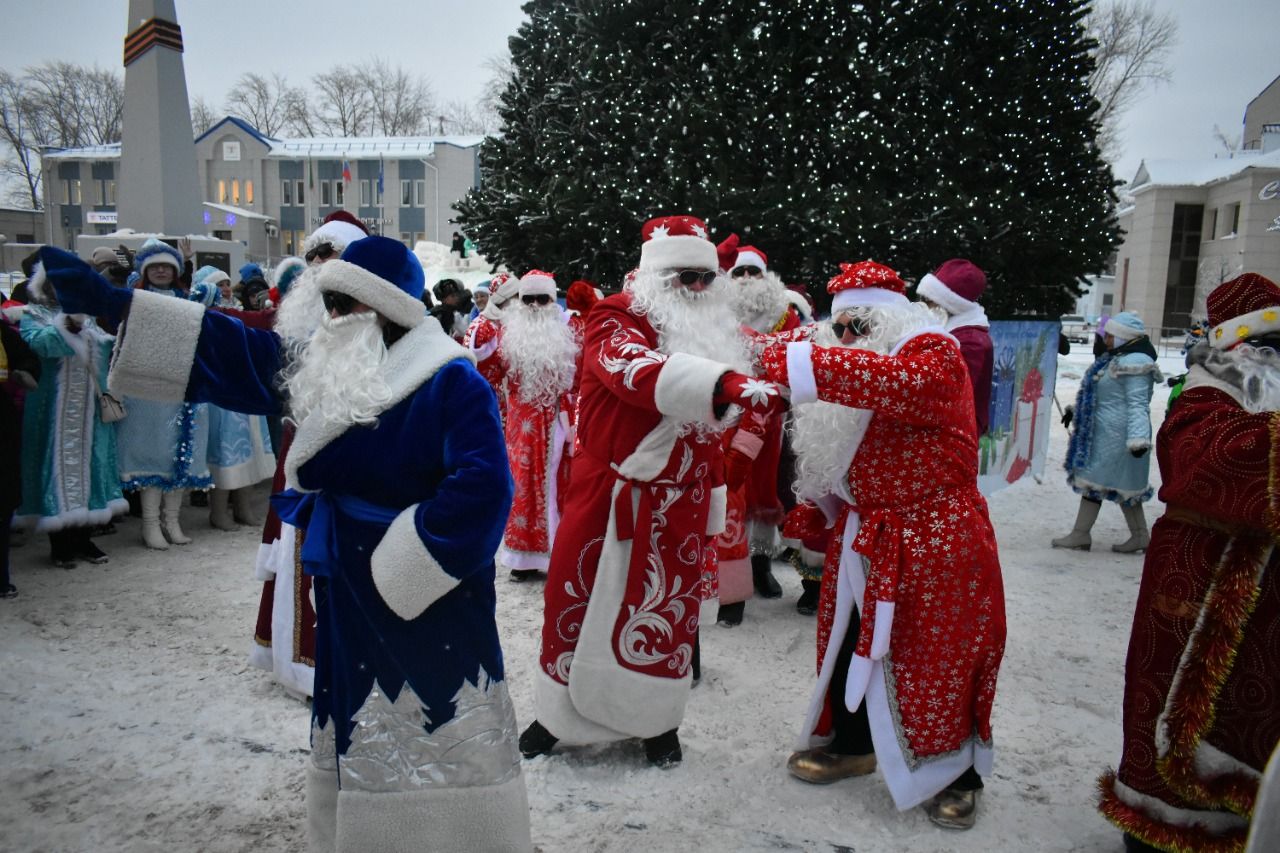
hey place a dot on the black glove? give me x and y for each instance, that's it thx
(1139, 452)
(80, 289)
(1068, 415)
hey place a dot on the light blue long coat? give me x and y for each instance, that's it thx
(1117, 422)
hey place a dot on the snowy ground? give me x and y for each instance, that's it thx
(132, 722)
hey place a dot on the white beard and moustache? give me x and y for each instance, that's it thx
(336, 374)
(759, 302)
(820, 433)
(541, 350)
(1259, 377)
(701, 323)
(301, 312)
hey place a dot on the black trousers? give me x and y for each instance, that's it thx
(852, 729)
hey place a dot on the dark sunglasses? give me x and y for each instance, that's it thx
(340, 302)
(739, 272)
(687, 277)
(324, 252)
(540, 299)
(859, 326)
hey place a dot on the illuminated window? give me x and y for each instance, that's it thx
(235, 191)
(222, 192)
(248, 192)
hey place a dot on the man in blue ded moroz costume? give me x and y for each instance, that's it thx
(399, 476)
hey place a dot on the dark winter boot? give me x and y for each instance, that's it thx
(762, 573)
(62, 549)
(808, 603)
(522, 575)
(663, 751)
(536, 740)
(697, 660)
(85, 549)
(730, 615)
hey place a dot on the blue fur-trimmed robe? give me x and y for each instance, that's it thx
(413, 734)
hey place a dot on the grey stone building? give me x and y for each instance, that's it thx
(1192, 224)
(269, 193)
(21, 232)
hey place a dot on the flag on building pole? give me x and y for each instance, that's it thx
(380, 165)
(311, 174)
(346, 172)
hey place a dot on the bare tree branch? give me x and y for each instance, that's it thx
(401, 103)
(202, 116)
(18, 132)
(343, 105)
(1133, 42)
(264, 103)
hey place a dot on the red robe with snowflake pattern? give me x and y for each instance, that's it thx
(913, 549)
(623, 590)
(1202, 683)
(483, 338)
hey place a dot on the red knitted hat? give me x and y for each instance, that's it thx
(955, 285)
(1245, 307)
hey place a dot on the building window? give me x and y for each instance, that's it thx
(364, 193)
(1211, 232)
(222, 192)
(419, 193)
(324, 194)
(405, 198)
(298, 198)
(1233, 219)
(418, 237)
(222, 235)
(111, 192)
(102, 192)
(1184, 264)
(406, 237)
(71, 191)
(339, 193)
(286, 193)
(248, 192)
(235, 191)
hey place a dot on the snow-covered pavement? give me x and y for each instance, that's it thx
(132, 721)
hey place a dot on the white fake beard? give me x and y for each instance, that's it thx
(759, 302)
(1260, 377)
(820, 433)
(701, 323)
(337, 373)
(301, 312)
(540, 349)
(890, 324)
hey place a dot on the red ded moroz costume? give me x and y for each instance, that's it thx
(1202, 677)
(912, 548)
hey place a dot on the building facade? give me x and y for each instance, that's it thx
(1190, 225)
(269, 193)
(21, 232)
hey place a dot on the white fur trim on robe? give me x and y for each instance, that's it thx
(411, 361)
(602, 690)
(156, 347)
(492, 818)
(685, 387)
(406, 575)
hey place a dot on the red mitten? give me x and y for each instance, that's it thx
(805, 521)
(754, 395)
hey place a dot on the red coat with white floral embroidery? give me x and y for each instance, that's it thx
(929, 546)
(623, 589)
(483, 338)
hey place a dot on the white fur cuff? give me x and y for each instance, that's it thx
(718, 510)
(800, 378)
(1138, 444)
(156, 347)
(884, 626)
(679, 253)
(932, 288)
(340, 276)
(407, 577)
(685, 387)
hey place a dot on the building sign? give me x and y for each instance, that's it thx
(1269, 191)
(101, 217)
(231, 150)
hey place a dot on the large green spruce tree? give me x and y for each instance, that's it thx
(907, 132)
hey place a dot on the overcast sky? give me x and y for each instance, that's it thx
(1226, 52)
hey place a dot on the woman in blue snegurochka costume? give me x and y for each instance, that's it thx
(1108, 457)
(162, 446)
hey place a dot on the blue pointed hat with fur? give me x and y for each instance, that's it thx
(381, 273)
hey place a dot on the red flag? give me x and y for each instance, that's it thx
(346, 172)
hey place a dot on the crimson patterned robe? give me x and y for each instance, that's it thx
(913, 550)
(538, 437)
(483, 338)
(623, 590)
(1202, 682)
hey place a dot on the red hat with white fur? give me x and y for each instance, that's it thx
(537, 283)
(677, 243)
(1245, 307)
(750, 256)
(955, 286)
(865, 283)
(339, 229)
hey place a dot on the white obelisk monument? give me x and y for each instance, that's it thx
(159, 187)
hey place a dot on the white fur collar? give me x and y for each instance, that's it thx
(801, 305)
(411, 361)
(974, 316)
